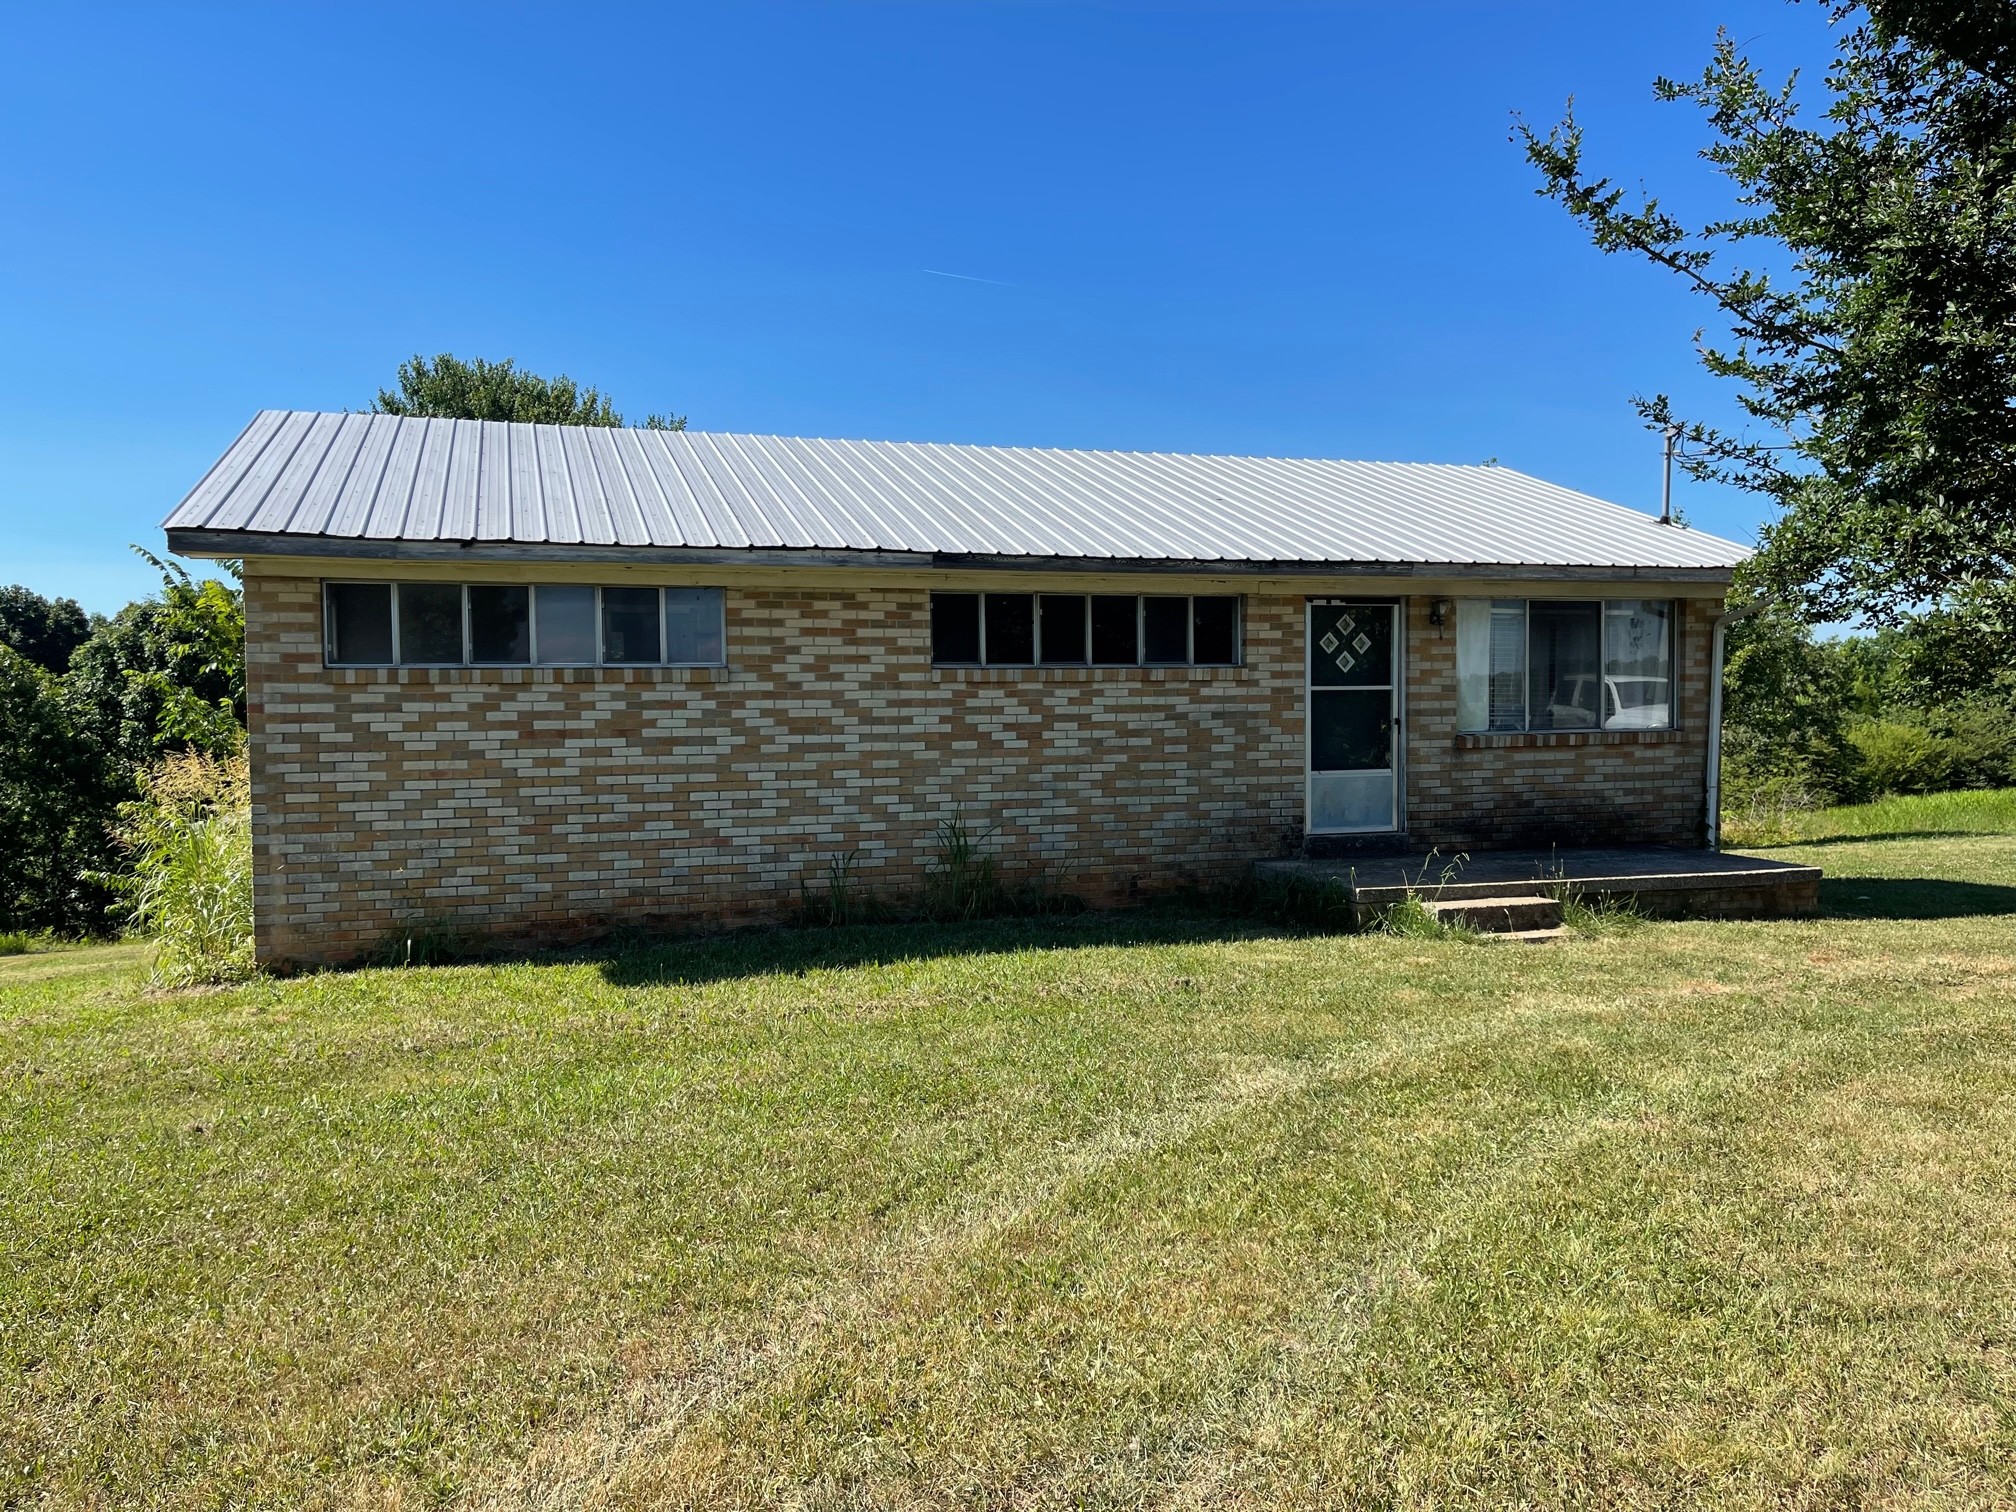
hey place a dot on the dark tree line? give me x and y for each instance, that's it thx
(86, 705)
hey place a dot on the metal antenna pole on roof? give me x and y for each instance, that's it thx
(1666, 492)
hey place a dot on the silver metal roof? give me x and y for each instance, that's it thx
(349, 483)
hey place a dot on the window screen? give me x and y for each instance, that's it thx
(430, 624)
(1116, 630)
(1214, 631)
(1070, 629)
(1564, 666)
(500, 626)
(1062, 617)
(1165, 631)
(630, 626)
(1637, 665)
(1010, 624)
(694, 633)
(565, 623)
(358, 619)
(955, 628)
(1561, 665)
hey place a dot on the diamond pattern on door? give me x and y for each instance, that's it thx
(1352, 645)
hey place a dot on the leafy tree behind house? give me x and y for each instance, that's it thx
(58, 797)
(1866, 276)
(1815, 721)
(164, 673)
(44, 630)
(480, 390)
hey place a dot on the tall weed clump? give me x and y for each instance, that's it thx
(190, 890)
(963, 881)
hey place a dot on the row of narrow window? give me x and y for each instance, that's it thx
(1084, 629)
(502, 625)
(1521, 665)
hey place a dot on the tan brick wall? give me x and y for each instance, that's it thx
(545, 800)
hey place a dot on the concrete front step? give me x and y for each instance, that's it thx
(1513, 915)
(1530, 936)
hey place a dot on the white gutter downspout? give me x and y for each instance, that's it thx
(1723, 620)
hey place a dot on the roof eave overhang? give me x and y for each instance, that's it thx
(238, 544)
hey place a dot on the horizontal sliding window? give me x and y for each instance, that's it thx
(500, 626)
(359, 624)
(1079, 629)
(631, 624)
(1548, 664)
(430, 623)
(511, 625)
(564, 625)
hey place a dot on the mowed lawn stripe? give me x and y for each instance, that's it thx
(1090, 1213)
(1336, 1217)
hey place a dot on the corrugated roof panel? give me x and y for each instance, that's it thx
(638, 460)
(349, 508)
(718, 525)
(428, 507)
(215, 486)
(625, 513)
(385, 477)
(318, 498)
(812, 519)
(459, 487)
(276, 458)
(584, 484)
(394, 498)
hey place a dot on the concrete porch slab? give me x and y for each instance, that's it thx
(1662, 880)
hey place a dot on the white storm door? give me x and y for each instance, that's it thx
(1354, 706)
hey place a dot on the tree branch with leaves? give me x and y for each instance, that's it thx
(1865, 282)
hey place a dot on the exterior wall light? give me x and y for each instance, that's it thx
(1438, 612)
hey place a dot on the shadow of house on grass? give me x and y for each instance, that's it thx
(692, 961)
(1932, 834)
(1912, 898)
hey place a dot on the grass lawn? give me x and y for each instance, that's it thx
(1102, 1212)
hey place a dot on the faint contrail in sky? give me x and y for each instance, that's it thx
(969, 278)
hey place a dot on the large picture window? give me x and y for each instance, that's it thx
(1084, 629)
(1550, 664)
(517, 625)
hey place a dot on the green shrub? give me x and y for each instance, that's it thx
(1901, 757)
(1981, 730)
(190, 837)
(15, 942)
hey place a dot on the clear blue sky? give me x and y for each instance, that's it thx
(1283, 229)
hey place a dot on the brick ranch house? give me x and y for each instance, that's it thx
(532, 678)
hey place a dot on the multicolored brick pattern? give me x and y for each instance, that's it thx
(547, 801)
